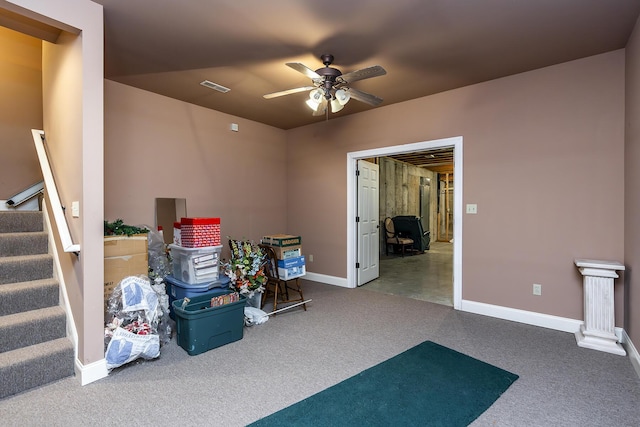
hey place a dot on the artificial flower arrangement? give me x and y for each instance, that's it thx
(245, 269)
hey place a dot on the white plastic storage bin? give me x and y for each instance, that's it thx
(195, 265)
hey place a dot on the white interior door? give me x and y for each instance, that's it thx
(368, 223)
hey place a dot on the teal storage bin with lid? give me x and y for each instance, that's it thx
(201, 328)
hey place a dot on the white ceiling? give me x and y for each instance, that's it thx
(426, 46)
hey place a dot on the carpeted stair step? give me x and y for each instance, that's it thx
(32, 327)
(33, 366)
(31, 243)
(26, 296)
(34, 349)
(20, 221)
(25, 267)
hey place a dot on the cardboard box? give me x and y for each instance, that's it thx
(282, 240)
(292, 272)
(287, 252)
(124, 256)
(291, 262)
(199, 232)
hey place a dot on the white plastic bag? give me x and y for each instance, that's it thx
(125, 347)
(254, 316)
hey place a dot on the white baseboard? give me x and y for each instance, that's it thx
(91, 372)
(529, 317)
(631, 351)
(329, 280)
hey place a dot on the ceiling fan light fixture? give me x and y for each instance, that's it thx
(336, 105)
(312, 104)
(342, 96)
(315, 99)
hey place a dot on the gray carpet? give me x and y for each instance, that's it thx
(34, 349)
(344, 331)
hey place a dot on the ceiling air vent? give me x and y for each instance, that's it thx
(215, 86)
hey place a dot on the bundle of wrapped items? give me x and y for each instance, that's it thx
(138, 321)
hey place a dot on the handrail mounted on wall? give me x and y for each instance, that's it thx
(52, 191)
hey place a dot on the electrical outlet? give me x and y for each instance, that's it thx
(310, 258)
(537, 289)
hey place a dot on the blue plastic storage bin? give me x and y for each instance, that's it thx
(177, 289)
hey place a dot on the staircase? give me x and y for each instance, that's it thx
(34, 349)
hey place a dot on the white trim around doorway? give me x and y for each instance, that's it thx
(352, 201)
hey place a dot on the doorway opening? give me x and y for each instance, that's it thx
(352, 205)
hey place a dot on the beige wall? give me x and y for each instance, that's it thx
(543, 159)
(632, 186)
(20, 110)
(159, 147)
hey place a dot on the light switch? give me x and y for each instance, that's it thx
(472, 208)
(75, 209)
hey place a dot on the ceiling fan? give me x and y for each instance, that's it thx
(331, 89)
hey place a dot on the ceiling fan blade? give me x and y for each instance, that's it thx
(364, 73)
(365, 97)
(301, 68)
(287, 92)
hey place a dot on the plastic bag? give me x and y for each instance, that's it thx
(254, 316)
(165, 324)
(159, 264)
(138, 321)
(126, 347)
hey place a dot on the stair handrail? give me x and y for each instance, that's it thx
(52, 190)
(25, 195)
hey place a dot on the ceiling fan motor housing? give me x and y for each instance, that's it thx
(329, 75)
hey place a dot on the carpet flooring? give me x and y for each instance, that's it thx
(427, 385)
(299, 353)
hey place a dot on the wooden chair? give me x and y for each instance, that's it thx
(279, 287)
(393, 238)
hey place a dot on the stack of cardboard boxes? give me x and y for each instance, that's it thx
(288, 250)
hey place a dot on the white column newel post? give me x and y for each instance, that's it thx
(598, 330)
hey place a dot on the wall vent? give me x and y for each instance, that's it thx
(215, 86)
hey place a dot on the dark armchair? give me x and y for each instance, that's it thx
(393, 238)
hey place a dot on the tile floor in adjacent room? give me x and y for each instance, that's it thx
(427, 276)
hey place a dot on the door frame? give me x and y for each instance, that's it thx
(352, 203)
